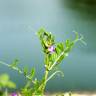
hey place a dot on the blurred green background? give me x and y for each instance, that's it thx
(21, 19)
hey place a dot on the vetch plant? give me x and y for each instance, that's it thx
(54, 53)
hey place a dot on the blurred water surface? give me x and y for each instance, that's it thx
(20, 20)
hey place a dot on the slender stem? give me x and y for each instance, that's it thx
(55, 62)
(45, 79)
(6, 92)
(79, 39)
(1, 62)
(43, 84)
(15, 68)
(54, 75)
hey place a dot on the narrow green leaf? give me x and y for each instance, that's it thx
(32, 73)
(59, 48)
(15, 63)
(25, 70)
(60, 59)
(67, 42)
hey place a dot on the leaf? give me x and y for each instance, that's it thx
(32, 73)
(40, 32)
(6, 82)
(4, 78)
(15, 63)
(67, 42)
(46, 38)
(53, 57)
(25, 70)
(10, 84)
(60, 59)
(27, 91)
(59, 48)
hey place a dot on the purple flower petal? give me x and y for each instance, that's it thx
(14, 94)
(51, 49)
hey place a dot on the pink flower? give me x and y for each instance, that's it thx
(14, 94)
(51, 49)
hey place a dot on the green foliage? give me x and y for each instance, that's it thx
(32, 73)
(61, 50)
(57, 52)
(27, 90)
(46, 38)
(54, 53)
(15, 63)
(5, 82)
(25, 70)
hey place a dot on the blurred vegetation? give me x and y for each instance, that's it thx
(85, 8)
(5, 83)
(54, 53)
(87, 2)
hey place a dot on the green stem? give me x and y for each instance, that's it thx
(54, 75)
(43, 84)
(45, 79)
(15, 68)
(6, 92)
(55, 62)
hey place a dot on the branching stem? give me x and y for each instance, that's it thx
(55, 62)
(16, 69)
(54, 75)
